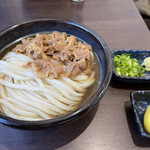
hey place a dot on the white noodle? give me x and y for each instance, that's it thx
(23, 96)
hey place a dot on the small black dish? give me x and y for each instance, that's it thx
(104, 65)
(140, 100)
(140, 55)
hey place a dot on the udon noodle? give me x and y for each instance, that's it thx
(26, 96)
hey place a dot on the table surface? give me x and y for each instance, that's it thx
(111, 124)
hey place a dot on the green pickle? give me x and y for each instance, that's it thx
(127, 66)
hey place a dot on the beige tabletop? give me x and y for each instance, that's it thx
(111, 124)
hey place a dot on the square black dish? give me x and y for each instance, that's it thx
(140, 101)
(140, 55)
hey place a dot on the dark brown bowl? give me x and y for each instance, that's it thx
(103, 56)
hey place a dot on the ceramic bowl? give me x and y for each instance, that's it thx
(104, 68)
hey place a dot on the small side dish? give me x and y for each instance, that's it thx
(140, 101)
(129, 66)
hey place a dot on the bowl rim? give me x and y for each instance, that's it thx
(81, 110)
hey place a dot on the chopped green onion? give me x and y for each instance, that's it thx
(126, 66)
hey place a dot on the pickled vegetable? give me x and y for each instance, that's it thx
(147, 120)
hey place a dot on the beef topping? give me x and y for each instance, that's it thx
(45, 49)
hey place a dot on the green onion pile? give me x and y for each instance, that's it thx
(126, 66)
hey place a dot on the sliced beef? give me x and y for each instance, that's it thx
(57, 46)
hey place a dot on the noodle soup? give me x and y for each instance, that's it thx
(46, 76)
